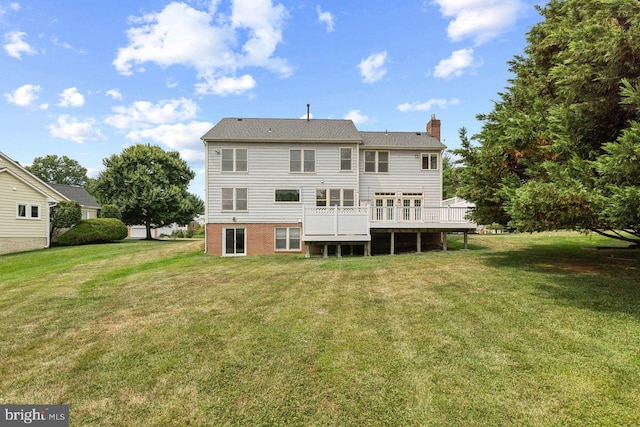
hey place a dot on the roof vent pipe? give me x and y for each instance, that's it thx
(308, 113)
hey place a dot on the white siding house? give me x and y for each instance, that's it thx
(25, 203)
(295, 185)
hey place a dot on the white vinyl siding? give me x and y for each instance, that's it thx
(15, 193)
(268, 171)
(405, 176)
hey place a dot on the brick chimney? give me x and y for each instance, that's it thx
(433, 127)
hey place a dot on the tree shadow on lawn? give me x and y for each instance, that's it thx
(606, 280)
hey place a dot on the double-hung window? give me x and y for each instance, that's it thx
(234, 199)
(376, 161)
(429, 161)
(302, 161)
(234, 159)
(28, 211)
(287, 238)
(346, 154)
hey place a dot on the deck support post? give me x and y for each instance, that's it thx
(466, 238)
(444, 240)
(308, 252)
(419, 242)
(393, 243)
(339, 250)
(367, 249)
(325, 251)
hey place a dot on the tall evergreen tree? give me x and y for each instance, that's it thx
(539, 164)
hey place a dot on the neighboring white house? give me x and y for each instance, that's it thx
(314, 185)
(25, 203)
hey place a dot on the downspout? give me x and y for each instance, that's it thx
(50, 204)
(206, 194)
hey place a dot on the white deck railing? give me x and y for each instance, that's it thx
(357, 221)
(336, 221)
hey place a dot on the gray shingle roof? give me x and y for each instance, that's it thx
(400, 140)
(314, 130)
(283, 130)
(77, 193)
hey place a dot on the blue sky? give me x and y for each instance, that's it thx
(87, 78)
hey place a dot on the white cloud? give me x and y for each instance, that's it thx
(428, 105)
(373, 68)
(145, 114)
(70, 128)
(456, 64)
(181, 137)
(15, 46)
(114, 94)
(356, 117)
(226, 85)
(24, 96)
(325, 18)
(208, 41)
(70, 97)
(14, 6)
(480, 20)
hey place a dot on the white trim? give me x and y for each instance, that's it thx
(224, 241)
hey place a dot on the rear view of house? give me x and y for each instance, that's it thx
(315, 185)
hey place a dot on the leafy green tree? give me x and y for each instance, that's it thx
(58, 170)
(64, 214)
(110, 211)
(539, 164)
(149, 185)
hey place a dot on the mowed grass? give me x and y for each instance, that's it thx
(535, 330)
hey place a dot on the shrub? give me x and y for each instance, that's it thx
(99, 230)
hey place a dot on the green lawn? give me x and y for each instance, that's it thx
(520, 330)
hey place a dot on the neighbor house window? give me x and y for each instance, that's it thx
(376, 161)
(335, 197)
(302, 161)
(28, 211)
(288, 195)
(234, 199)
(345, 158)
(287, 239)
(429, 161)
(234, 159)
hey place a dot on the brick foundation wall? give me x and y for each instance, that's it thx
(260, 238)
(20, 244)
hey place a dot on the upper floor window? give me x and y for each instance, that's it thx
(429, 161)
(234, 159)
(234, 199)
(335, 197)
(346, 154)
(302, 161)
(287, 195)
(28, 211)
(376, 161)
